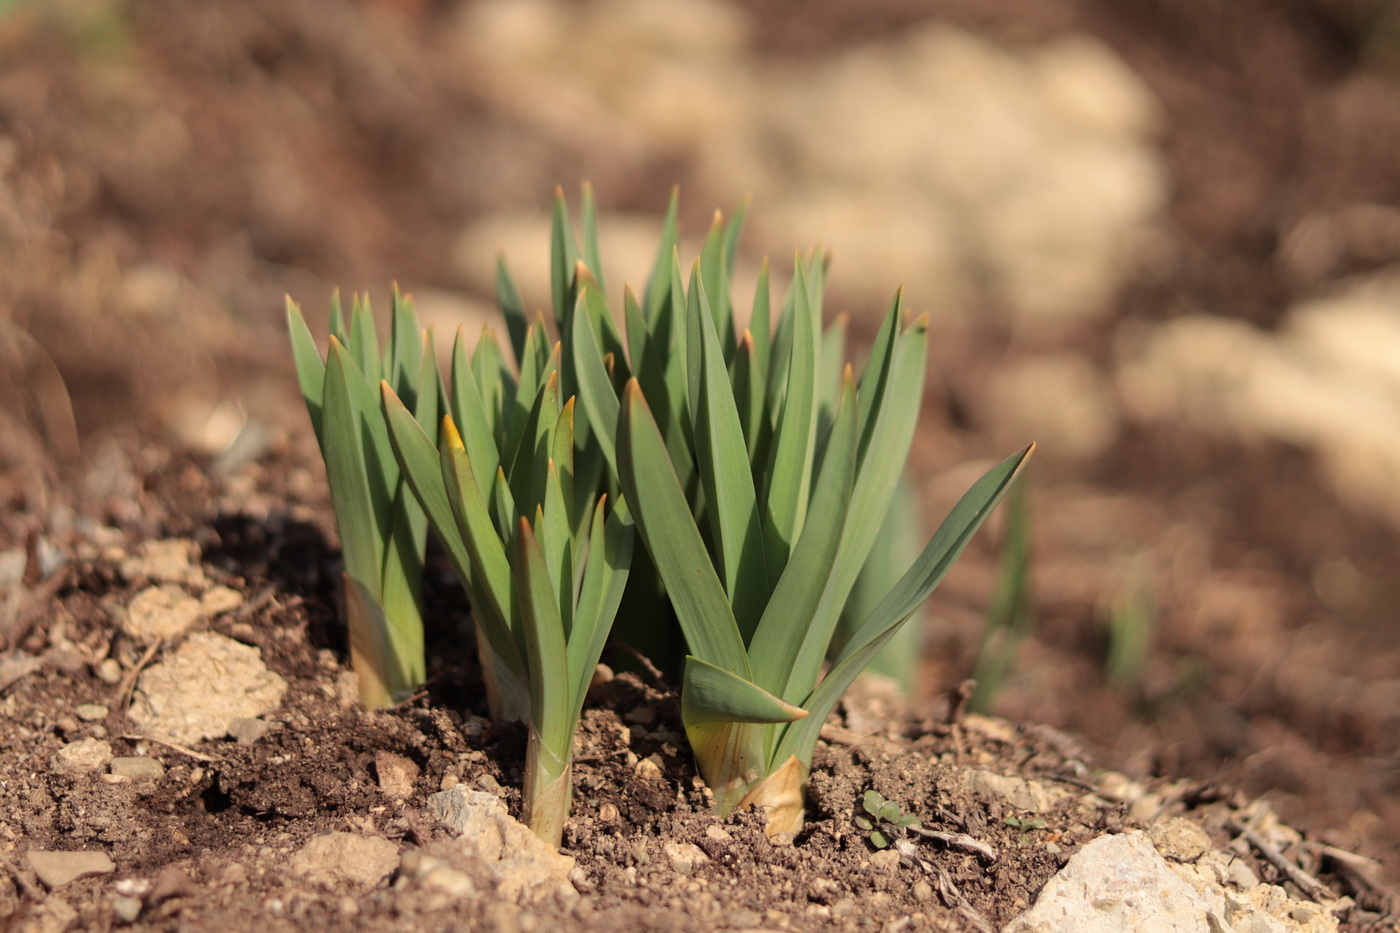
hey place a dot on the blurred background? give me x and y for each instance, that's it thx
(1158, 237)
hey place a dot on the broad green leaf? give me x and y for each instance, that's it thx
(543, 635)
(748, 396)
(663, 516)
(659, 284)
(495, 383)
(562, 453)
(553, 531)
(913, 588)
(714, 273)
(311, 369)
(563, 257)
(722, 460)
(713, 694)
(491, 574)
(422, 468)
(880, 458)
(790, 461)
(404, 355)
(337, 318)
(470, 412)
(364, 344)
(352, 492)
(401, 596)
(595, 388)
(591, 255)
(787, 650)
(872, 379)
(512, 309)
(503, 510)
(605, 574)
(761, 327)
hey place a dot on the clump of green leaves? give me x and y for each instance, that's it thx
(883, 819)
(788, 487)
(383, 531)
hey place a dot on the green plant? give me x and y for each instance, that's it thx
(883, 819)
(383, 532)
(758, 592)
(514, 490)
(1010, 617)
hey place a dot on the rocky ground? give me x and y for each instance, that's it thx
(1158, 238)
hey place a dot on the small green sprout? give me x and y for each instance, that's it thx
(1026, 824)
(883, 819)
(383, 532)
(1011, 616)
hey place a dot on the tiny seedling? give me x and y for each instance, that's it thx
(1011, 616)
(883, 819)
(1026, 824)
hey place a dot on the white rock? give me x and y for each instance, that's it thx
(1032, 796)
(55, 869)
(336, 858)
(82, 757)
(1112, 884)
(168, 560)
(684, 857)
(161, 612)
(207, 683)
(522, 866)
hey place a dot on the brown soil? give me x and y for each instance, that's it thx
(312, 144)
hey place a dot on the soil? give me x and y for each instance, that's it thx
(309, 145)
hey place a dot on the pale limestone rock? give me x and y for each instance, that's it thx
(163, 612)
(1032, 796)
(199, 690)
(56, 869)
(1179, 840)
(396, 774)
(167, 560)
(1116, 883)
(138, 768)
(82, 757)
(521, 867)
(346, 858)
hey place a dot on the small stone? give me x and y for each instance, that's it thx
(922, 890)
(126, 909)
(1031, 796)
(207, 683)
(397, 774)
(55, 869)
(161, 612)
(245, 730)
(169, 560)
(648, 769)
(718, 834)
(1179, 840)
(684, 856)
(885, 860)
(346, 858)
(91, 712)
(137, 768)
(219, 599)
(82, 757)
(109, 671)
